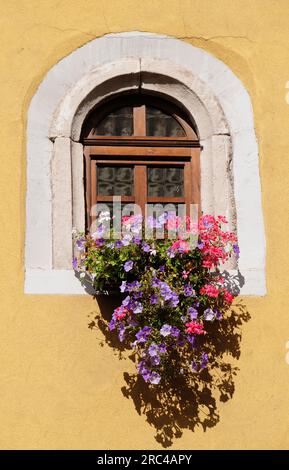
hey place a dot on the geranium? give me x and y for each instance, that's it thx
(172, 289)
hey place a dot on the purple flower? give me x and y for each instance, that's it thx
(171, 252)
(123, 286)
(194, 366)
(126, 240)
(209, 315)
(126, 301)
(118, 244)
(99, 242)
(74, 264)
(143, 334)
(145, 246)
(165, 330)
(188, 290)
(155, 360)
(80, 244)
(181, 341)
(128, 265)
(136, 240)
(155, 282)
(204, 360)
(153, 350)
(112, 324)
(175, 331)
(162, 348)
(162, 269)
(144, 370)
(191, 339)
(154, 298)
(121, 332)
(155, 378)
(193, 313)
(218, 314)
(174, 299)
(200, 245)
(137, 307)
(165, 291)
(236, 250)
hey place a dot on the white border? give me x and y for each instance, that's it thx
(56, 107)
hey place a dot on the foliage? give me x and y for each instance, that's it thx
(173, 289)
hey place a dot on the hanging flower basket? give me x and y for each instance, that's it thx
(172, 288)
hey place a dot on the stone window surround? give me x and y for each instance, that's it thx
(127, 63)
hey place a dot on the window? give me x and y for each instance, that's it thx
(144, 150)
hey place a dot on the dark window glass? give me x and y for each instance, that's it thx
(118, 122)
(115, 181)
(161, 124)
(165, 182)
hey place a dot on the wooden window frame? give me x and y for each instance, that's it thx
(141, 151)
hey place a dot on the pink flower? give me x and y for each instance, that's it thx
(228, 297)
(120, 313)
(210, 291)
(195, 328)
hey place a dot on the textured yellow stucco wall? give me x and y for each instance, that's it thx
(59, 387)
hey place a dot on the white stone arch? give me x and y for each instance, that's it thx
(146, 63)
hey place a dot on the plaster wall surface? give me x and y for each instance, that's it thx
(59, 388)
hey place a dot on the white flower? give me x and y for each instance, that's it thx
(82, 275)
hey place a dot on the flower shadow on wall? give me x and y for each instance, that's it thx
(175, 315)
(184, 403)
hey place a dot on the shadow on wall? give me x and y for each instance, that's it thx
(183, 404)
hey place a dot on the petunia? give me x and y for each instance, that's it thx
(153, 350)
(74, 263)
(209, 315)
(155, 378)
(128, 265)
(143, 334)
(188, 290)
(123, 286)
(165, 330)
(154, 298)
(193, 312)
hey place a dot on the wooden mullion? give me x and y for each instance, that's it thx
(143, 141)
(173, 200)
(196, 179)
(139, 120)
(93, 200)
(131, 162)
(141, 151)
(140, 186)
(110, 198)
(87, 184)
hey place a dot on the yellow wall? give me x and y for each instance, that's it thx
(59, 387)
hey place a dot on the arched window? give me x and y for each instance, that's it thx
(144, 150)
(74, 112)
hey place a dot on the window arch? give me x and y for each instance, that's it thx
(143, 149)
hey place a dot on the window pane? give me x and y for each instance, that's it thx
(160, 124)
(165, 182)
(118, 122)
(115, 181)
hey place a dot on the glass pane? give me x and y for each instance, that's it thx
(160, 124)
(115, 181)
(118, 122)
(165, 182)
